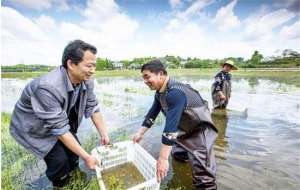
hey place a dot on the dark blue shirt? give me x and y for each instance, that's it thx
(176, 103)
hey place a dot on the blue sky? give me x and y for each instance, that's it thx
(35, 32)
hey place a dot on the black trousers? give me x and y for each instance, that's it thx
(197, 148)
(60, 162)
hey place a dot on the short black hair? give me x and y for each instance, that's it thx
(154, 66)
(75, 51)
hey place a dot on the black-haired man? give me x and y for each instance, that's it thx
(47, 115)
(189, 131)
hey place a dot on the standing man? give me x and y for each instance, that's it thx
(188, 129)
(46, 117)
(221, 88)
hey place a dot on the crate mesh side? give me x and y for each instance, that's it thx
(113, 157)
(126, 152)
(144, 162)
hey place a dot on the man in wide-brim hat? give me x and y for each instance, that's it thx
(221, 88)
(229, 63)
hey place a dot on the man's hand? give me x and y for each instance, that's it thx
(222, 97)
(91, 162)
(137, 137)
(71, 143)
(105, 139)
(162, 168)
(99, 124)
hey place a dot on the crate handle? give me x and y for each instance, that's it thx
(109, 145)
(99, 178)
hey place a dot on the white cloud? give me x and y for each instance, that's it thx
(33, 4)
(106, 17)
(101, 9)
(225, 17)
(63, 5)
(23, 41)
(41, 4)
(291, 32)
(291, 5)
(195, 8)
(115, 29)
(174, 3)
(191, 39)
(118, 36)
(262, 26)
(46, 23)
(174, 24)
(19, 26)
(104, 26)
(185, 16)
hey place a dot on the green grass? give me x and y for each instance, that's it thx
(14, 158)
(174, 72)
(78, 181)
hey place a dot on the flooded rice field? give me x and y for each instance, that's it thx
(258, 146)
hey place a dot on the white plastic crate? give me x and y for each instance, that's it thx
(123, 152)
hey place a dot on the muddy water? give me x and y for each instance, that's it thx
(258, 146)
(123, 176)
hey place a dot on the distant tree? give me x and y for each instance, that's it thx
(290, 53)
(26, 68)
(109, 64)
(100, 64)
(172, 60)
(126, 63)
(256, 58)
(103, 64)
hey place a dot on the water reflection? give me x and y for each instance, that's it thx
(180, 175)
(220, 119)
(253, 82)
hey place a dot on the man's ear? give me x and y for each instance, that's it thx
(160, 74)
(70, 65)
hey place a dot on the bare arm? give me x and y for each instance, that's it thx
(163, 162)
(165, 152)
(71, 143)
(99, 124)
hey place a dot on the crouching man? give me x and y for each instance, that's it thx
(47, 115)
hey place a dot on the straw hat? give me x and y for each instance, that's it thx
(231, 63)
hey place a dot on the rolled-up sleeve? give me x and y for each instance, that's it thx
(92, 104)
(152, 113)
(46, 107)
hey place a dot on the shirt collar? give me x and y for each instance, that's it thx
(164, 86)
(68, 81)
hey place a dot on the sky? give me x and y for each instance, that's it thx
(36, 32)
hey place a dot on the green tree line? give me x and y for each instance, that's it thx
(288, 58)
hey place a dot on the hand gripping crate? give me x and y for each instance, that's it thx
(123, 152)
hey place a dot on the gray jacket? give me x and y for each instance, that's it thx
(41, 113)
